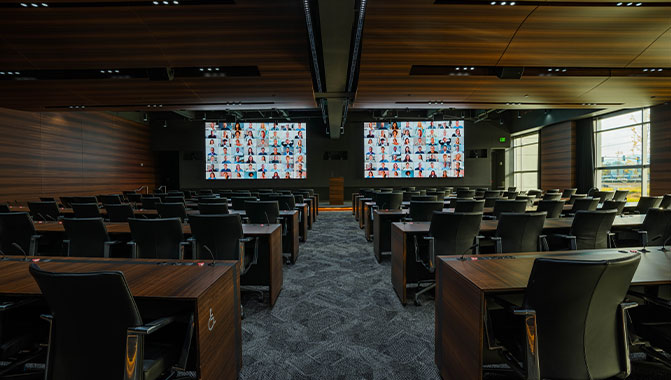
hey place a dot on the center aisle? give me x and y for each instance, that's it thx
(337, 316)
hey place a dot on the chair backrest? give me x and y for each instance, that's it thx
(205, 191)
(462, 193)
(262, 212)
(389, 201)
(603, 195)
(157, 238)
(552, 196)
(423, 198)
(4, 208)
(213, 208)
(591, 228)
(553, 191)
(510, 194)
(265, 190)
(646, 203)
(85, 199)
(171, 210)
(109, 199)
(535, 193)
(220, 233)
(529, 198)
(440, 195)
(566, 193)
(67, 201)
(421, 211)
(666, 201)
(574, 197)
(614, 205)
(87, 236)
(213, 200)
(407, 195)
(284, 191)
(493, 194)
(88, 309)
(454, 232)
(509, 205)
(286, 202)
(512, 189)
(134, 198)
(238, 203)
(299, 198)
(489, 202)
(175, 199)
(43, 210)
(86, 210)
(469, 205)
(553, 208)
(16, 227)
(587, 204)
(119, 213)
(657, 223)
(149, 203)
(578, 324)
(620, 195)
(519, 232)
(267, 196)
(591, 191)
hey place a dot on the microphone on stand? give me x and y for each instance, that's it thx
(663, 249)
(462, 258)
(25, 255)
(206, 248)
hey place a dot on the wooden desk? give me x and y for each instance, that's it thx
(302, 221)
(355, 203)
(382, 230)
(462, 288)
(290, 240)
(404, 268)
(360, 205)
(310, 203)
(205, 290)
(267, 271)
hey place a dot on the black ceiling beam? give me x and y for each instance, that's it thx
(592, 4)
(555, 71)
(153, 73)
(115, 4)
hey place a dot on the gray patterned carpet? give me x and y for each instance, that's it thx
(338, 317)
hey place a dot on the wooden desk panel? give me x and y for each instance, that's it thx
(302, 221)
(208, 290)
(462, 288)
(360, 209)
(290, 240)
(267, 271)
(355, 204)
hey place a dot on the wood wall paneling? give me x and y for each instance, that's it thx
(53, 154)
(660, 154)
(557, 156)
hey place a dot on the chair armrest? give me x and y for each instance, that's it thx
(108, 246)
(572, 241)
(67, 244)
(611, 240)
(498, 242)
(133, 249)
(47, 317)
(183, 244)
(152, 327)
(33, 244)
(477, 243)
(244, 267)
(432, 253)
(543, 243)
(15, 305)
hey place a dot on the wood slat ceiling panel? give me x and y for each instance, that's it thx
(658, 54)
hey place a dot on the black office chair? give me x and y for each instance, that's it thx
(17, 234)
(654, 230)
(119, 213)
(267, 196)
(286, 202)
(134, 198)
(591, 191)
(284, 191)
(149, 203)
(493, 194)
(86, 210)
(553, 191)
(590, 230)
(583, 204)
(175, 199)
(603, 195)
(423, 198)
(389, 201)
(87, 237)
(299, 198)
(238, 203)
(453, 233)
(510, 195)
(440, 195)
(620, 195)
(157, 238)
(529, 198)
(490, 201)
(85, 199)
(614, 205)
(67, 201)
(44, 211)
(572, 323)
(407, 195)
(172, 210)
(551, 196)
(4, 207)
(220, 237)
(263, 212)
(422, 211)
(96, 330)
(213, 200)
(508, 205)
(646, 203)
(535, 193)
(520, 232)
(651, 326)
(205, 191)
(461, 193)
(110, 199)
(567, 193)
(213, 208)
(469, 205)
(573, 198)
(553, 208)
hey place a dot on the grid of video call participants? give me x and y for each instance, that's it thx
(255, 151)
(414, 149)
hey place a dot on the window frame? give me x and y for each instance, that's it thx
(538, 153)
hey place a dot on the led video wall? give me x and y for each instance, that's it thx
(414, 149)
(255, 151)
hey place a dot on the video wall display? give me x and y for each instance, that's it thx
(414, 149)
(255, 151)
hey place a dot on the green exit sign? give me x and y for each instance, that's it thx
(502, 139)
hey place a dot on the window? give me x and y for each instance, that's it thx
(525, 161)
(622, 147)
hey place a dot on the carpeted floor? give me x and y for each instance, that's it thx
(338, 317)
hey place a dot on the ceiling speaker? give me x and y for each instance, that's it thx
(509, 72)
(162, 74)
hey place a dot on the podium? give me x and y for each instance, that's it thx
(336, 190)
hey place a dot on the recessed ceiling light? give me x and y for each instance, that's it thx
(618, 4)
(512, 3)
(493, 3)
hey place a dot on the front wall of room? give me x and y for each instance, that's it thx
(70, 153)
(185, 137)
